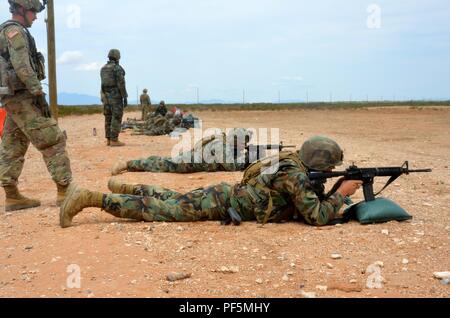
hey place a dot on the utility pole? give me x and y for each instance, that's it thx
(53, 85)
(307, 97)
(198, 96)
(279, 97)
(243, 96)
(331, 97)
(137, 96)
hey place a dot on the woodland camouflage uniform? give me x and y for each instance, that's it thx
(114, 95)
(201, 158)
(284, 195)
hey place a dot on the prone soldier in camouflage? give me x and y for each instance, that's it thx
(284, 194)
(22, 70)
(155, 126)
(115, 97)
(145, 104)
(201, 158)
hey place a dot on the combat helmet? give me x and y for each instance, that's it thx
(26, 4)
(321, 153)
(162, 103)
(145, 91)
(114, 54)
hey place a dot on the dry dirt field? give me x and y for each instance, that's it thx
(120, 258)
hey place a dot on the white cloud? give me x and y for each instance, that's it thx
(94, 66)
(70, 57)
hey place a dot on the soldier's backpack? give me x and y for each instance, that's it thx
(252, 173)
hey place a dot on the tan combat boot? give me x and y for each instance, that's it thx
(15, 201)
(119, 187)
(116, 143)
(108, 142)
(76, 200)
(61, 194)
(119, 167)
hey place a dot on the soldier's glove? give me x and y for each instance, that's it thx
(41, 103)
(125, 102)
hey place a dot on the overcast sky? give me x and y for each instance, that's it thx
(289, 48)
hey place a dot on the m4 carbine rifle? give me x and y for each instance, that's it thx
(366, 175)
(257, 152)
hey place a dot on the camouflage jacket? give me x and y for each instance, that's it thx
(145, 100)
(161, 110)
(292, 195)
(25, 65)
(113, 77)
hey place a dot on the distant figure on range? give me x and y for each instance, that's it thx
(146, 104)
(114, 97)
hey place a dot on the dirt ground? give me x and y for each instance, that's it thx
(120, 258)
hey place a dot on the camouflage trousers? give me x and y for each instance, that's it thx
(113, 111)
(155, 204)
(24, 124)
(146, 111)
(166, 164)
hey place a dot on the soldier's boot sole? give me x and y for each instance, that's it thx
(116, 144)
(21, 204)
(119, 167)
(76, 200)
(118, 187)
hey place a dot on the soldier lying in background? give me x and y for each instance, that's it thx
(200, 158)
(159, 125)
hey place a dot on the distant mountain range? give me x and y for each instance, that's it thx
(77, 99)
(68, 99)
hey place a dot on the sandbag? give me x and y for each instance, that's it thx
(379, 211)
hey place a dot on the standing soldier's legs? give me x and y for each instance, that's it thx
(45, 135)
(107, 111)
(12, 153)
(116, 118)
(199, 205)
(146, 112)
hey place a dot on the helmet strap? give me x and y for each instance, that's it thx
(23, 13)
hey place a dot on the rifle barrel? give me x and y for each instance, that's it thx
(420, 170)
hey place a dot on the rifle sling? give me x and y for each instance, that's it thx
(392, 179)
